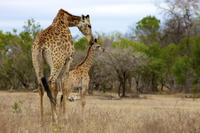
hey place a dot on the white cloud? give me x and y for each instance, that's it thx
(118, 10)
(114, 14)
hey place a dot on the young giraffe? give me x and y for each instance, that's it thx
(55, 46)
(79, 77)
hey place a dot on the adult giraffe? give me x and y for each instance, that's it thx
(55, 46)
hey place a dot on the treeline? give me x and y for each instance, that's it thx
(16, 70)
(151, 57)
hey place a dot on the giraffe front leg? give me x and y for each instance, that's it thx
(83, 94)
(66, 86)
(65, 98)
(53, 106)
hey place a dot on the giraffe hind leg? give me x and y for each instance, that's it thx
(38, 60)
(37, 64)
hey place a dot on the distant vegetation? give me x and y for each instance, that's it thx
(152, 57)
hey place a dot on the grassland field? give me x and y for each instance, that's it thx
(20, 113)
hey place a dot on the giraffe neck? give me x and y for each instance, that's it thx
(67, 19)
(88, 61)
(73, 21)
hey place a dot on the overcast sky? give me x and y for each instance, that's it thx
(106, 15)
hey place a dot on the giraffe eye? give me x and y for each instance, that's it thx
(90, 26)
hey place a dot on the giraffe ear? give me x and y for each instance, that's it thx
(87, 16)
(83, 17)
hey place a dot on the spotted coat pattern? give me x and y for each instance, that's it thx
(54, 45)
(79, 77)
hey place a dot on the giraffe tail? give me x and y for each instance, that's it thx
(61, 98)
(46, 87)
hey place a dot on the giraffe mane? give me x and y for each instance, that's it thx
(85, 57)
(69, 14)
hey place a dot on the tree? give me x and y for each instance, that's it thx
(81, 44)
(118, 64)
(16, 65)
(195, 61)
(169, 54)
(180, 17)
(180, 70)
(155, 70)
(147, 30)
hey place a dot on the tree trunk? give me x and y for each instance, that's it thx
(124, 89)
(119, 89)
(154, 83)
(130, 83)
(137, 85)
(162, 85)
(124, 85)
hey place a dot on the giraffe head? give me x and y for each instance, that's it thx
(85, 27)
(96, 46)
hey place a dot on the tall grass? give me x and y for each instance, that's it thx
(155, 114)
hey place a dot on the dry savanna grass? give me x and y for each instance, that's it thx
(19, 113)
